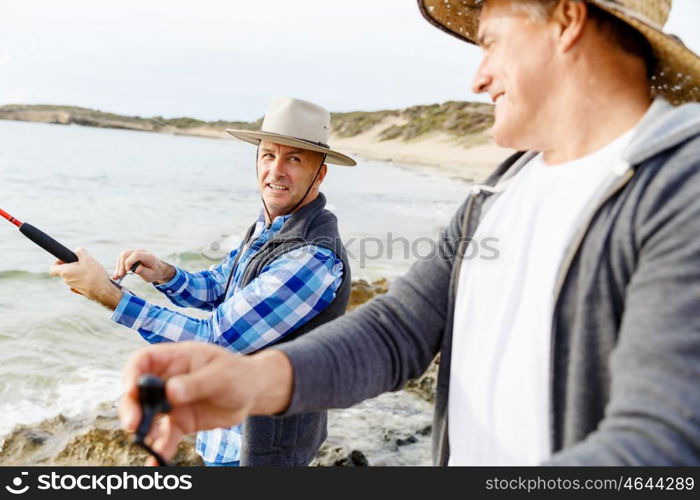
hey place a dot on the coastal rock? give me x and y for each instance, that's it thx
(95, 439)
(392, 429)
(113, 447)
(363, 291)
(339, 456)
(425, 385)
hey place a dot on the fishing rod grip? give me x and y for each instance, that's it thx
(48, 243)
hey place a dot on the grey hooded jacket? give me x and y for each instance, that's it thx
(625, 351)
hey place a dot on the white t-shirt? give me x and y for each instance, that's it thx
(500, 374)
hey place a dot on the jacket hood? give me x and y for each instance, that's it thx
(662, 127)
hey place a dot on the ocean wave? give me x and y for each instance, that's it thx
(15, 274)
(214, 253)
(187, 256)
(88, 178)
(76, 393)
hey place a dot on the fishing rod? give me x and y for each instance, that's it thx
(51, 245)
(42, 239)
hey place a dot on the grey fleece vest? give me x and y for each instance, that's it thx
(295, 440)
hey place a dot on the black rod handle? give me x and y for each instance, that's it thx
(48, 243)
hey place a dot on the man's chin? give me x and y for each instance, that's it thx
(504, 139)
(275, 207)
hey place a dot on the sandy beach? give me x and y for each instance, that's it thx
(435, 154)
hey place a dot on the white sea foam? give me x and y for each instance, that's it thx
(78, 394)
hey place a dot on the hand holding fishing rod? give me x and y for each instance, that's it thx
(78, 269)
(145, 264)
(87, 277)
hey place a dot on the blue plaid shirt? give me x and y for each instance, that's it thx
(288, 293)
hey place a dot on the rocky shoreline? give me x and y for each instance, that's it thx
(392, 429)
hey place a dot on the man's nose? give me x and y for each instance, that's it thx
(276, 166)
(481, 81)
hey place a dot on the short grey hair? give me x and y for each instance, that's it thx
(537, 10)
(618, 32)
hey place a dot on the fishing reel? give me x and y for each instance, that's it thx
(153, 402)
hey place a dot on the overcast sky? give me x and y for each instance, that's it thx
(215, 59)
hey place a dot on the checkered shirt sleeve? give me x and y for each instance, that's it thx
(289, 292)
(201, 290)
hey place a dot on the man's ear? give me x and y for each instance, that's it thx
(322, 174)
(569, 18)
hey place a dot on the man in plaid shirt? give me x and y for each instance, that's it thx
(289, 275)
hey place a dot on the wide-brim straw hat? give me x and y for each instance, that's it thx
(677, 75)
(296, 123)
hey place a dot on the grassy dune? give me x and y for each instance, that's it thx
(463, 120)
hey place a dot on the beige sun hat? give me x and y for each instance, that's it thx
(293, 122)
(677, 76)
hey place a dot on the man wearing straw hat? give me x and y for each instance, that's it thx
(290, 275)
(580, 344)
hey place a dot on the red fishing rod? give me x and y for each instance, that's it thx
(42, 239)
(50, 245)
